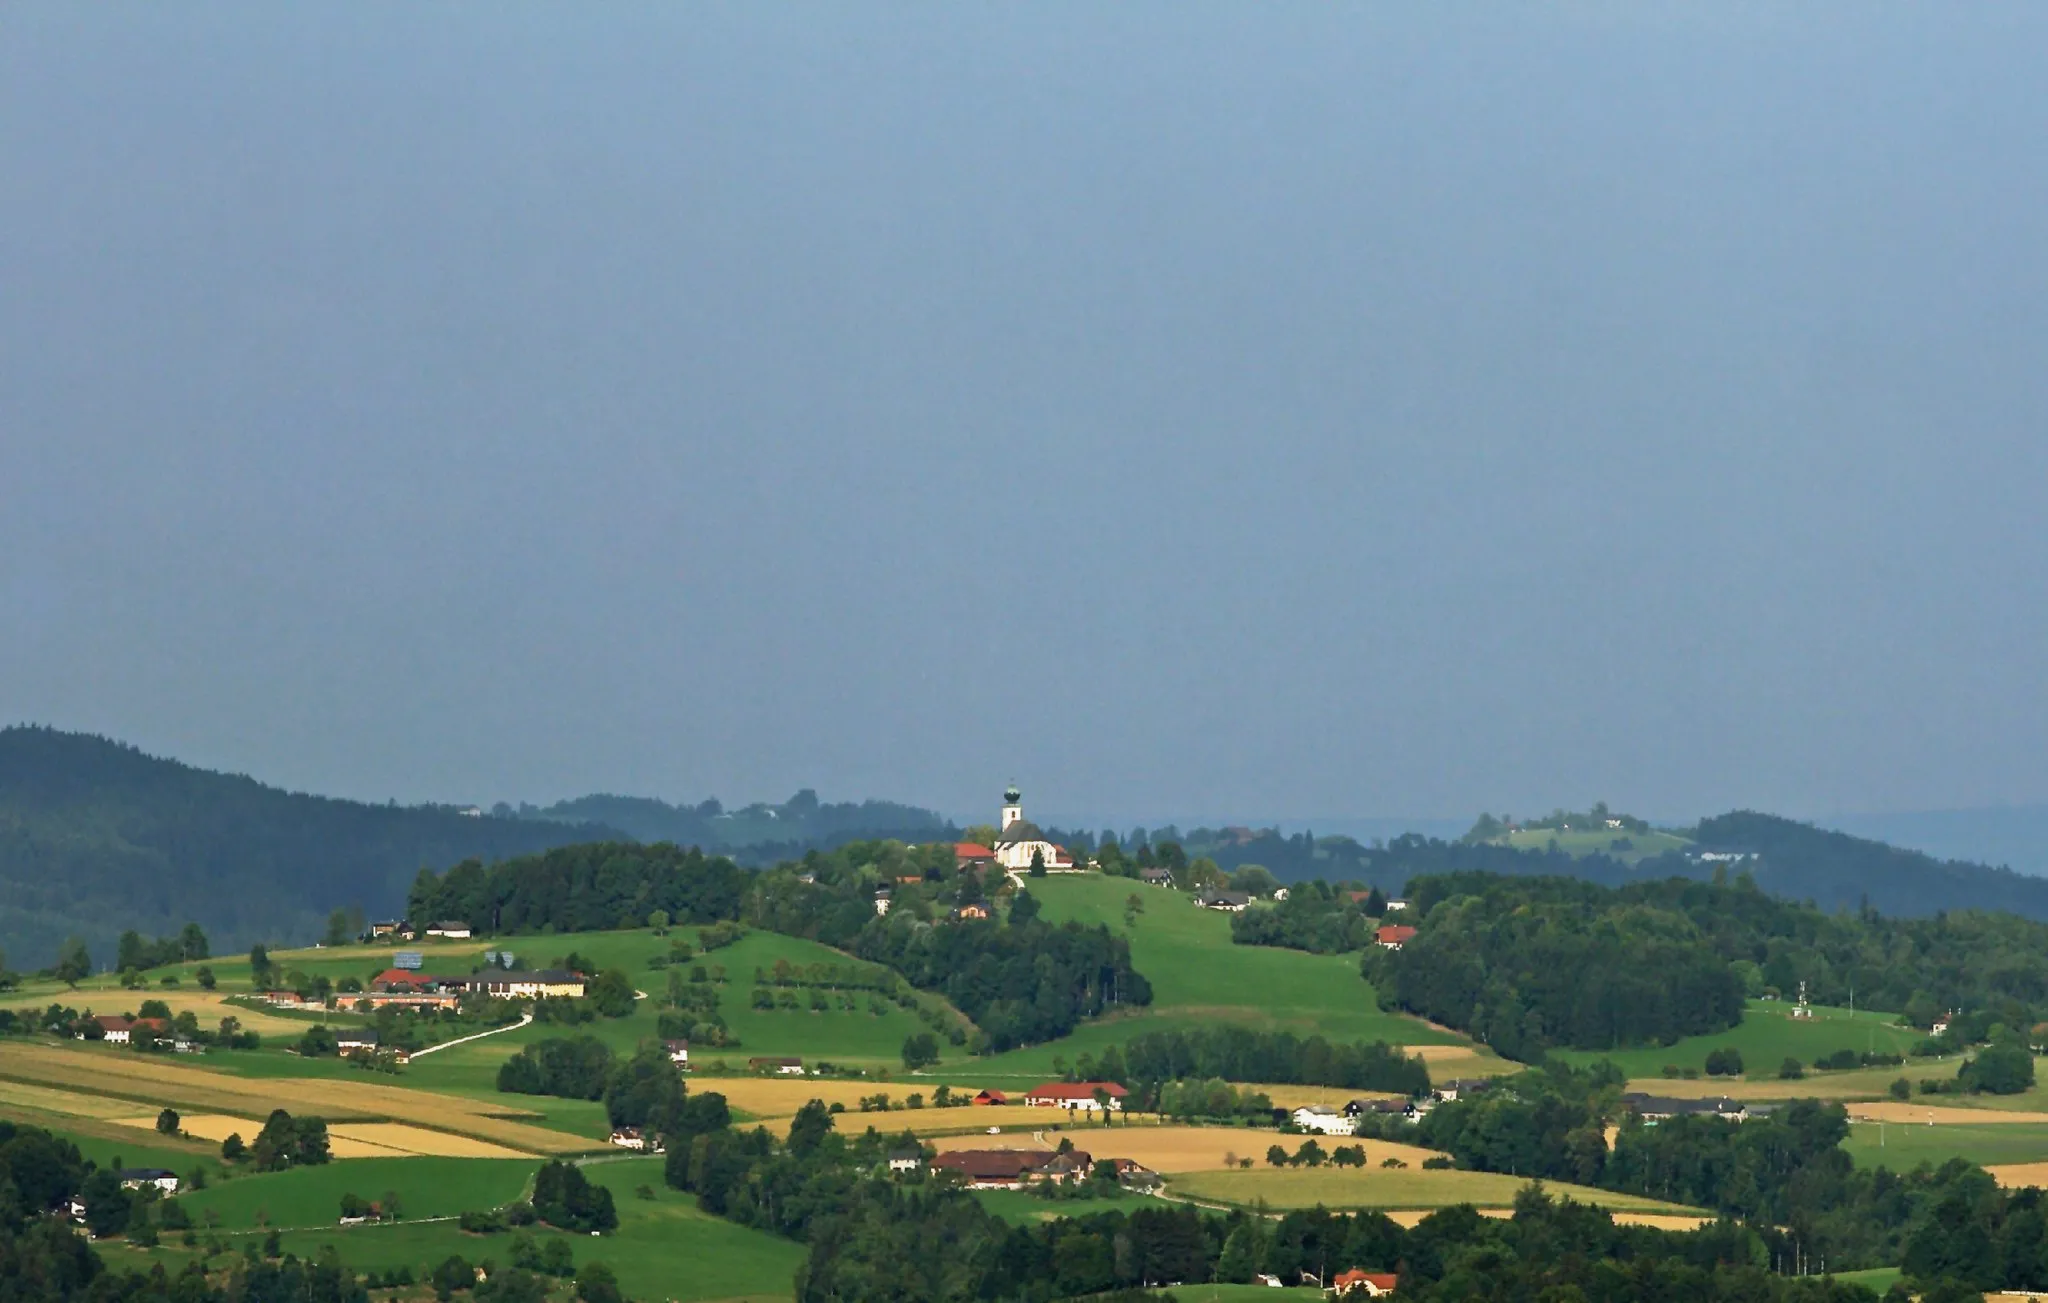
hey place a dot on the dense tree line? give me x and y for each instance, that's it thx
(1241, 1054)
(1526, 968)
(1316, 916)
(1527, 963)
(582, 888)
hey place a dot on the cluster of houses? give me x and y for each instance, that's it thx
(395, 928)
(411, 989)
(120, 1029)
(1328, 1121)
(1014, 1169)
(1659, 1108)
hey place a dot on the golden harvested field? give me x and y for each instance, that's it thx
(2015, 1176)
(780, 1097)
(207, 1006)
(49, 1099)
(1302, 1096)
(1447, 1061)
(1864, 1084)
(345, 1139)
(1178, 1149)
(140, 1078)
(1376, 1187)
(219, 1126)
(1898, 1110)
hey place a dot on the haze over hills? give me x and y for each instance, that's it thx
(2013, 835)
(97, 837)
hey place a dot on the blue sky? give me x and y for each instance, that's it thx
(1254, 411)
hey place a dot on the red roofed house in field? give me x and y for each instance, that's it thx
(1394, 935)
(1072, 1095)
(991, 1097)
(972, 855)
(1369, 1284)
(119, 1029)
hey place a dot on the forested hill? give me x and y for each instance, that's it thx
(757, 834)
(1789, 859)
(96, 838)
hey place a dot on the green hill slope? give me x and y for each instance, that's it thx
(1199, 978)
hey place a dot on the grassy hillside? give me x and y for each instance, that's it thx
(1388, 1188)
(1766, 1037)
(1902, 1146)
(311, 1196)
(1200, 978)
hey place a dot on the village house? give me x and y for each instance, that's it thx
(1450, 1090)
(1324, 1120)
(678, 1053)
(1156, 877)
(1018, 841)
(882, 898)
(969, 911)
(1076, 1096)
(1396, 906)
(387, 927)
(779, 1066)
(1394, 935)
(906, 1160)
(119, 1029)
(1230, 902)
(350, 1042)
(1364, 1284)
(973, 855)
(629, 1138)
(1658, 1108)
(548, 983)
(134, 1178)
(452, 930)
(993, 1169)
(414, 990)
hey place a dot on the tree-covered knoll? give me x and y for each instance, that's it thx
(755, 834)
(1531, 963)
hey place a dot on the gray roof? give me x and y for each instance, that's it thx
(1021, 831)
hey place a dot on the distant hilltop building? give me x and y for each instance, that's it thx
(1018, 840)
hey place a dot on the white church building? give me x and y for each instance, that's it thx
(1018, 839)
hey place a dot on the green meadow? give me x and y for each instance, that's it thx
(1766, 1037)
(1019, 1207)
(1200, 978)
(1905, 1145)
(311, 1196)
(1641, 846)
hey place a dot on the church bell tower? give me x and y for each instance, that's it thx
(1013, 807)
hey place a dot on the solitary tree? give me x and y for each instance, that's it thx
(167, 1122)
(658, 920)
(74, 965)
(920, 1050)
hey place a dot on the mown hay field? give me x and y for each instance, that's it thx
(780, 1097)
(344, 1139)
(1171, 1149)
(1389, 1188)
(207, 1006)
(156, 1082)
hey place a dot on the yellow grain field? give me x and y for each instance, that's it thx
(1412, 1217)
(396, 1136)
(49, 1099)
(1179, 1149)
(144, 1079)
(1376, 1187)
(207, 1006)
(780, 1097)
(1902, 1111)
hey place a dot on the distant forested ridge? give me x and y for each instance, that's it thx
(758, 834)
(97, 838)
(1786, 858)
(1530, 963)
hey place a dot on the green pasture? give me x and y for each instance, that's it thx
(310, 1197)
(109, 1145)
(1766, 1037)
(664, 1247)
(1200, 978)
(1020, 1207)
(1903, 1146)
(1875, 1279)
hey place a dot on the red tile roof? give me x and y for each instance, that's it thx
(972, 851)
(1075, 1090)
(1378, 1281)
(1393, 934)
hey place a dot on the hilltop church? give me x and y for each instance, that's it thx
(1018, 839)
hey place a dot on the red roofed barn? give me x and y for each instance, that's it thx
(1076, 1095)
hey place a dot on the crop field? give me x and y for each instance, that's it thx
(1171, 1149)
(152, 1081)
(1766, 1037)
(207, 1006)
(345, 1139)
(1199, 978)
(1903, 1145)
(310, 1197)
(1396, 1188)
(1857, 1084)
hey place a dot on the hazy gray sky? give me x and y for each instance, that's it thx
(1224, 410)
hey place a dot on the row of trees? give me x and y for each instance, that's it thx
(1241, 1054)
